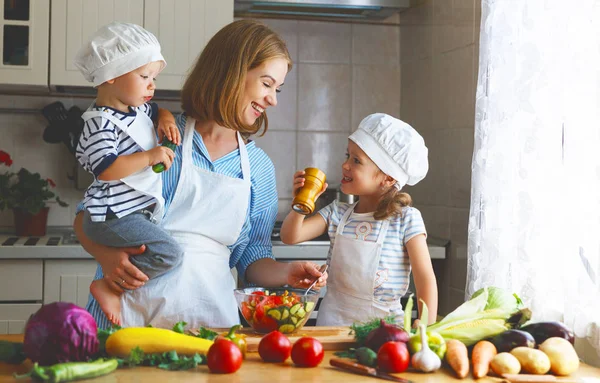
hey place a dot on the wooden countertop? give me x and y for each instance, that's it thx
(254, 370)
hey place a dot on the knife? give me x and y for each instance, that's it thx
(361, 369)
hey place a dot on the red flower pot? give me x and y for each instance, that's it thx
(30, 225)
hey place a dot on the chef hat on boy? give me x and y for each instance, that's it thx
(394, 146)
(116, 49)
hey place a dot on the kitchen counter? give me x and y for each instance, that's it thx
(254, 370)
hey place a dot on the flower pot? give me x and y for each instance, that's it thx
(30, 225)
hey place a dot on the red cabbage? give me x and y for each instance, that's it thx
(60, 332)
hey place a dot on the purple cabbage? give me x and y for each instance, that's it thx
(60, 332)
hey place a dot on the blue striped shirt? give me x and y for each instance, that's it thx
(100, 143)
(254, 242)
(393, 271)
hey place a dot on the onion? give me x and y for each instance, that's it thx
(385, 333)
(60, 332)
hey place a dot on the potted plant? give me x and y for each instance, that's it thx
(26, 194)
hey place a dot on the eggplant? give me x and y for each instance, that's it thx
(544, 330)
(510, 339)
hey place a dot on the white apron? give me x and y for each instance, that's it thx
(351, 280)
(141, 130)
(207, 215)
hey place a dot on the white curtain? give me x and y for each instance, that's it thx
(534, 224)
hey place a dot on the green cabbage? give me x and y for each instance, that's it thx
(498, 298)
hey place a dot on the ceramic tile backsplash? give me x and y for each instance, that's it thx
(280, 146)
(325, 151)
(322, 42)
(375, 44)
(324, 97)
(370, 91)
(284, 116)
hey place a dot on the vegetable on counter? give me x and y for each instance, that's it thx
(66, 372)
(238, 339)
(224, 357)
(386, 332)
(435, 341)
(511, 339)
(154, 340)
(361, 330)
(307, 352)
(274, 347)
(505, 363)
(562, 355)
(166, 361)
(544, 330)
(481, 357)
(60, 332)
(366, 356)
(393, 357)
(533, 361)
(425, 359)
(482, 317)
(457, 357)
(11, 352)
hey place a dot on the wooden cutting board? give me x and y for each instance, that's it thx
(332, 338)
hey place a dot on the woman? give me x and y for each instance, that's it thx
(220, 194)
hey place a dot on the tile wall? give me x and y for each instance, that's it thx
(439, 59)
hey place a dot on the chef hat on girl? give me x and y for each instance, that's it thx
(394, 146)
(117, 49)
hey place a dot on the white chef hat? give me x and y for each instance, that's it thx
(394, 146)
(116, 49)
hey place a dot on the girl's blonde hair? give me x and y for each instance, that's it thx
(214, 88)
(391, 204)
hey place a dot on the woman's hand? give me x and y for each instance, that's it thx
(302, 274)
(119, 272)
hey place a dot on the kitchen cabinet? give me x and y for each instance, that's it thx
(182, 26)
(24, 27)
(21, 294)
(68, 280)
(14, 316)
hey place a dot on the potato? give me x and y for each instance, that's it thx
(532, 361)
(505, 363)
(562, 355)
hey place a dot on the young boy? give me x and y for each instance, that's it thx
(119, 146)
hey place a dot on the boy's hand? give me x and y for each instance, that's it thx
(160, 154)
(299, 182)
(168, 128)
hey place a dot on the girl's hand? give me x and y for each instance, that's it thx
(160, 154)
(168, 128)
(299, 182)
(118, 270)
(302, 274)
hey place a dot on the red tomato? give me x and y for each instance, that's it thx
(307, 352)
(393, 357)
(224, 357)
(246, 311)
(274, 347)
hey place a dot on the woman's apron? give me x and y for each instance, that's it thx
(205, 217)
(351, 281)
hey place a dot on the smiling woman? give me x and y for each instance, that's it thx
(220, 194)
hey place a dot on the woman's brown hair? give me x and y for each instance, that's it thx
(215, 85)
(391, 204)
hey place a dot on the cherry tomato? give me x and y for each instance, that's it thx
(274, 347)
(393, 357)
(224, 357)
(307, 352)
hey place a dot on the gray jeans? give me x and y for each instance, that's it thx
(162, 252)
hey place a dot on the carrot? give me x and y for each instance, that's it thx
(457, 357)
(482, 356)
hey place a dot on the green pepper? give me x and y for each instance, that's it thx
(435, 341)
(238, 339)
(158, 168)
(66, 372)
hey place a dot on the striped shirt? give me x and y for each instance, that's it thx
(254, 242)
(393, 271)
(100, 143)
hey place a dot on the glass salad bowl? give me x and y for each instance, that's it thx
(283, 309)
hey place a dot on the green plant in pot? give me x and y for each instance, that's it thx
(26, 194)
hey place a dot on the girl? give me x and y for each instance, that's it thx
(375, 241)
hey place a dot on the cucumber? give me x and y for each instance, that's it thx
(294, 320)
(274, 313)
(285, 313)
(309, 306)
(295, 308)
(300, 313)
(286, 328)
